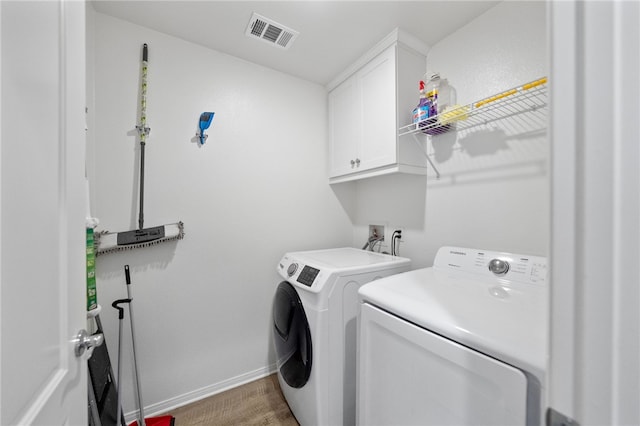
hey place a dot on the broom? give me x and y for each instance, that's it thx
(166, 420)
(108, 242)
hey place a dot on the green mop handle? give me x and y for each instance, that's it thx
(143, 130)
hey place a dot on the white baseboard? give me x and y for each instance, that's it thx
(207, 391)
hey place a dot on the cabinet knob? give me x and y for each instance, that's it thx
(353, 163)
(358, 161)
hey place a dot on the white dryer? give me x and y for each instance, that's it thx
(314, 329)
(461, 343)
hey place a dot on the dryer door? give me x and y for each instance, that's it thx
(410, 376)
(292, 336)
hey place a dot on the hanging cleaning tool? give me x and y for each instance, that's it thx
(150, 421)
(108, 242)
(205, 121)
(116, 305)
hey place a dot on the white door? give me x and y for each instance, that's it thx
(594, 374)
(42, 261)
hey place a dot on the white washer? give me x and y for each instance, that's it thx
(314, 329)
(461, 343)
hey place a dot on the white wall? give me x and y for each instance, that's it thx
(493, 193)
(256, 189)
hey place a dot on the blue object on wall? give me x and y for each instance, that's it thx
(205, 121)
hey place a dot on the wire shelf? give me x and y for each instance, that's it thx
(530, 97)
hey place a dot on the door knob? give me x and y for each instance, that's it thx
(87, 342)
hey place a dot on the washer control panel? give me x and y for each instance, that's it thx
(308, 275)
(293, 270)
(507, 266)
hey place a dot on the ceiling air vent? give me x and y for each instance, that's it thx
(270, 31)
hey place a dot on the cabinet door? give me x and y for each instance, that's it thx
(378, 96)
(344, 127)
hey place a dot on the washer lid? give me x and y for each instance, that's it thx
(501, 318)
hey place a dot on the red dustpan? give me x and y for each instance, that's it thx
(157, 421)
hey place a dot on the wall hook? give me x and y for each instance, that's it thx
(205, 121)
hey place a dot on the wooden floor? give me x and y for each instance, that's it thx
(256, 403)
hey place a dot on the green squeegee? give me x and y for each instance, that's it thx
(107, 242)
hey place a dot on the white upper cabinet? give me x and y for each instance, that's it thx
(345, 121)
(378, 105)
(368, 104)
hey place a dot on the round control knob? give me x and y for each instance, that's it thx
(498, 266)
(292, 269)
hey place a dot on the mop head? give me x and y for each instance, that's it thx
(109, 242)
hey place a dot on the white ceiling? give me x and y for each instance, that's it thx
(333, 34)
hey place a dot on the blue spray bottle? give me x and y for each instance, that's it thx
(421, 112)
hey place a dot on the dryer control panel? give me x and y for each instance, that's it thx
(492, 264)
